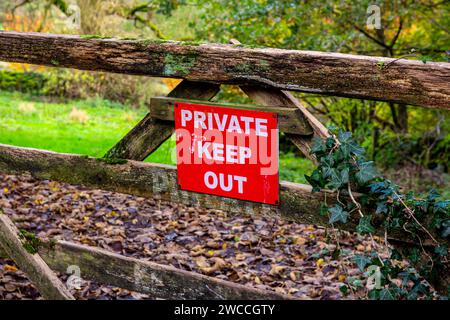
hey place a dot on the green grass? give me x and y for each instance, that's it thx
(27, 121)
(293, 168)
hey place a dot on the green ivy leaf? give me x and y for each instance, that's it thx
(433, 195)
(323, 210)
(344, 290)
(386, 294)
(348, 145)
(357, 150)
(414, 255)
(318, 146)
(327, 161)
(445, 229)
(381, 208)
(315, 180)
(338, 178)
(327, 171)
(374, 294)
(395, 254)
(366, 173)
(395, 223)
(336, 254)
(344, 136)
(441, 250)
(338, 214)
(442, 207)
(330, 142)
(365, 226)
(364, 199)
(378, 187)
(361, 261)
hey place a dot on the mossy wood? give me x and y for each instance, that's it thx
(397, 80)
(159, 281)
(22, 250)
(290, 120)
(158, 181)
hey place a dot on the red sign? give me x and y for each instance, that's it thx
(227, 152)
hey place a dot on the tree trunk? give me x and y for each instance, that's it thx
(402, 117)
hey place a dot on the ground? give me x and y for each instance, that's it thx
(262, 252)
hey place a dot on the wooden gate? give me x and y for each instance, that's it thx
(263, 74)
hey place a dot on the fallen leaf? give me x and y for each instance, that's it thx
(10, 268)
(276, 269)
(320, 262)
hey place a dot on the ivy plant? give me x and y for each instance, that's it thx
(343, 168)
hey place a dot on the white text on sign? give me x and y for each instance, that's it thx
(227, 152)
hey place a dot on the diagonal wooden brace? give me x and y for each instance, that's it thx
(150, 133)
(36, 269)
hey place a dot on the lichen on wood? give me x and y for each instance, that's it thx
(178, 65)
(31, 243)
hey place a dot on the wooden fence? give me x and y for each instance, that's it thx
(263, 74)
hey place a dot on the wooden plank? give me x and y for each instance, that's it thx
(401, 81)
(147, 277)
(37, 271)
(156, 181)
(290, 120)
(150, 133)
(297, 201)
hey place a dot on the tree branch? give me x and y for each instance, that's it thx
(380, 43)
(399, 30)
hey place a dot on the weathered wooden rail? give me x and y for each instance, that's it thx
(290, 120)
(158, 181)
(156, 280)
(261, 74)
(11, 241)
(404, 81)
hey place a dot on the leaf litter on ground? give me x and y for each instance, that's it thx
(259, 251)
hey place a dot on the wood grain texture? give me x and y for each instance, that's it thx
(150, 133)
(47, 283)
(156, 181)
(290, 120)
(147, 277)
(401, 81)
(297, 201)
